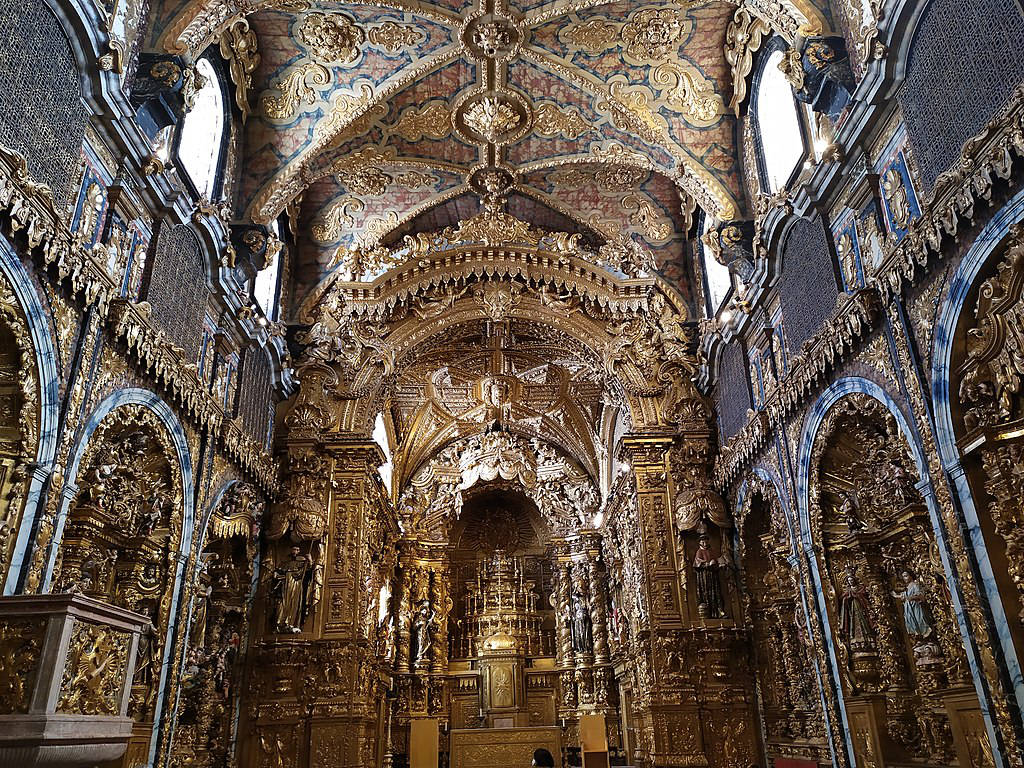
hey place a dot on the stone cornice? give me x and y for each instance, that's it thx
(856, 316)
(28, 211)
(985, 158)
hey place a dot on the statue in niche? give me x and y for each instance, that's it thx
(917, 618)
(288, 589)
(709, 586)
(582, 634)
(423, 632)
(854, 619)
(497, 406)
(202, 602)
(849, 512)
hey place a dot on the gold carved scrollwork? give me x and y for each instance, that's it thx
(239, 47)
(21, 641)
(94, 675)
(743, 38)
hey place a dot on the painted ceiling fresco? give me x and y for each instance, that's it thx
(607, 118)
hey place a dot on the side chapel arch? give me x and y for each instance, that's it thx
(221, 582)
(776, 609)
(30, 379)
(878, 562)
(150, 485)
(974, 386)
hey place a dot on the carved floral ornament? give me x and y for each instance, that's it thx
(565, 494)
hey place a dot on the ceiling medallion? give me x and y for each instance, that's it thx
(492, 117)
(331, 37)
(492, 183)
(489, 36)
(652, 34)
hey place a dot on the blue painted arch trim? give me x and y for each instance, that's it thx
(948, 317)
(812, 424)
(147, 399)
(805, 599)
(49, 407)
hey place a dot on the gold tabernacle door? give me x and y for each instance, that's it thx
(488, 747)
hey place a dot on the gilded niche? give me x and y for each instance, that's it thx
(891, 617)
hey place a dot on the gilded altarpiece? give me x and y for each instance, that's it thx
(905, 679)
(788, 692)
(121, 543)
(19, 418)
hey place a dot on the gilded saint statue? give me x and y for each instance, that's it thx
(582, 634)
(710, 603)
(854, 620)
(288, 589)
(423, 633)
(918, 619)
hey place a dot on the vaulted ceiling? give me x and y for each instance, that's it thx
(589, 117)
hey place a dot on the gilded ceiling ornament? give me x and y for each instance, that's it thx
(616, 153)
(491, 117)
(896, 198)
(551, 120)
(607, 228)
(631, 112)
(393, 37)
(329, 227)
(413, 180)
(651, 34)
(375, 228)
(492, 36)
(593, 35)
(432, 121)
(689, 93)
(571, 178)
(332, 38)
(239, 47)
(646, 217)
(743, 39)
(365, 158)
(366, 181)
(303, 83)
(620, 178)
(349, 115)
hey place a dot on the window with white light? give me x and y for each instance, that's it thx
(716, 275)
(266, 287)
(380, 436)
(777, 117)
(202, 132)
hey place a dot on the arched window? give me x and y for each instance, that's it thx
(779, 129)
(202, 137)
(717, 280)
(266, 287)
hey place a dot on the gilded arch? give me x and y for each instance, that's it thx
(161, 522)
(30, 384)
(874, 544)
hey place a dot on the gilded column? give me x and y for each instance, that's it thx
(598, 599)
(402, 618)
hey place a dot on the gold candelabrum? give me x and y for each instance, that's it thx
(501, 599)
